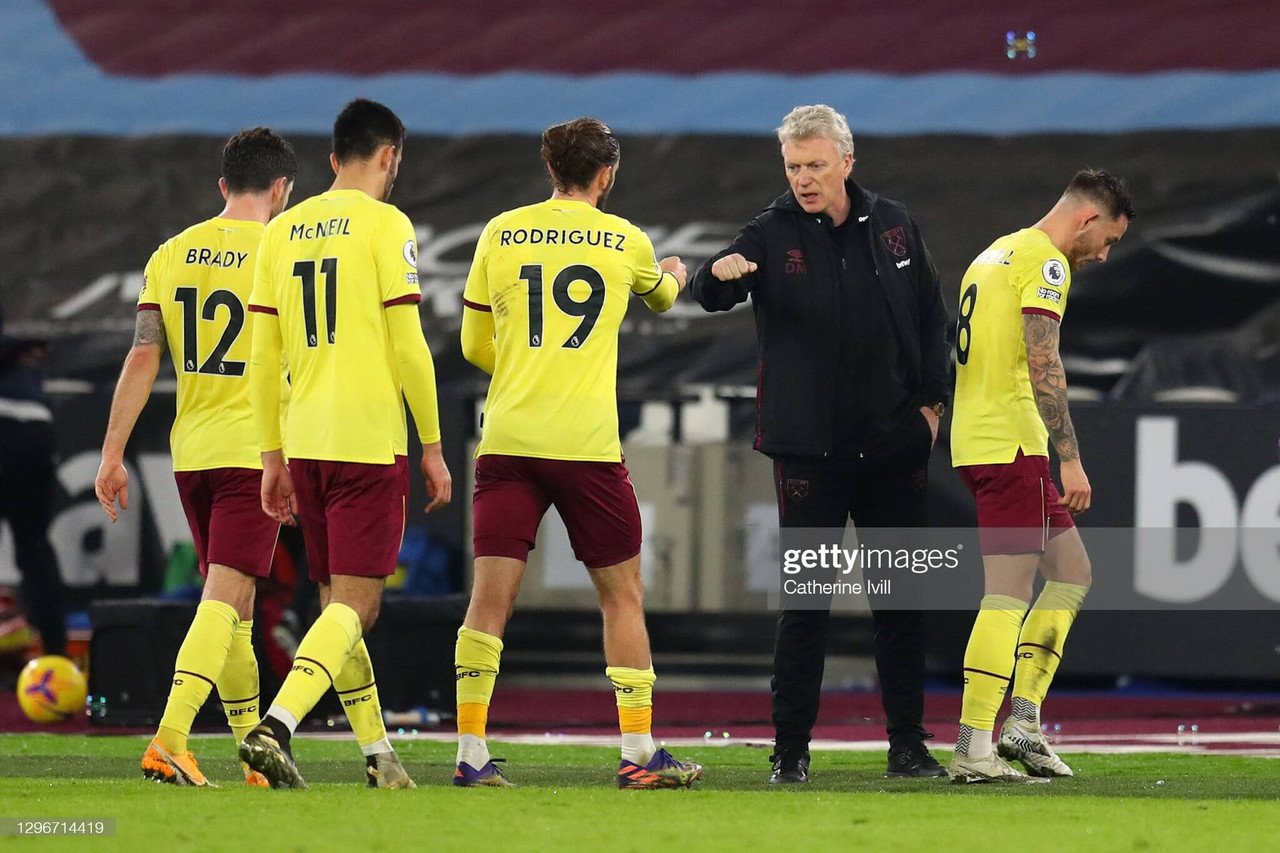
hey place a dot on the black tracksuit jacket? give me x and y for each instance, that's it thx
(800, 324)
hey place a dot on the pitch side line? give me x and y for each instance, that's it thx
(1253, 744)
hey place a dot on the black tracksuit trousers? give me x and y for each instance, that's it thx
(884, 489)
(27, 480)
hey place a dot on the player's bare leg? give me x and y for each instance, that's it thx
(1068, 575)
(353, 607)
(229, 586)
(357, 689)
(361, 594)
(620, 589)
(1012, 575)
(988, 666)
(493, 594)
(1066, 561)
(629, 666)
(476, 660)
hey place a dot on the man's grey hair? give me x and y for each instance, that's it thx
(817, 121)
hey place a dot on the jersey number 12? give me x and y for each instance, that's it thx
(214, 364)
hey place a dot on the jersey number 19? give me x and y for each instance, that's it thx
(589, 309)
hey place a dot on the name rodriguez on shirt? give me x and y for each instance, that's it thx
(561, 237)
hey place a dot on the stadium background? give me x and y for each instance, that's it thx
(112, 118)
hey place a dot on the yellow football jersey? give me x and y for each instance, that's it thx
(200, 281)
(329, 267)
(995, 405)
(557, 276)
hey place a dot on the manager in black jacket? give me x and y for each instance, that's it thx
(853, 377)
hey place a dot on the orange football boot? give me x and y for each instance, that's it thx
(160, 765)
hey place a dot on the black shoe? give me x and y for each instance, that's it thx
(910, 759)
(790, 767)
(266, 749)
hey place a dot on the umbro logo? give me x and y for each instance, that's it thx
(901, 264)
(795, 262)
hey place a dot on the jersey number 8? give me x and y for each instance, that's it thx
(964, 331)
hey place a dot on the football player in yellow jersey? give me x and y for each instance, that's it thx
(543, 305)
(194, 297)
(336, 291)
(1010, 402)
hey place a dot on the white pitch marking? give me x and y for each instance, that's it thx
(1251, 743)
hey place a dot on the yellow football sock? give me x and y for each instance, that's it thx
(988, 660)
(323, 652)
(238, 684)
(358, 691)
(1040, 646)
(633, 688)
(476, 657)
(200, 662)
(472, 719)
(636, 721)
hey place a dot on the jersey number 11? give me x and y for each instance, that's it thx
(306, 271)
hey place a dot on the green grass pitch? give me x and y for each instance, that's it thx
(567, 801)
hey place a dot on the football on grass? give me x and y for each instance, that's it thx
(51, 689)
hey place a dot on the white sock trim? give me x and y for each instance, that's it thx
(380, 745)
(284, 716)
(473, 750)
(980, 745)
(638, 748)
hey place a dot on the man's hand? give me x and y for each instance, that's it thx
(278, 500)
(732, 267)
(112, 482)
(439, 482)
(932, 418)
(675, 266)
(1077, 494)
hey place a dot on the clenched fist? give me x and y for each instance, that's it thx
(675, 266)
(732, 267)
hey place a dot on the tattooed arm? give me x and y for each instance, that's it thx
(140, 369)
(1049, 381)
